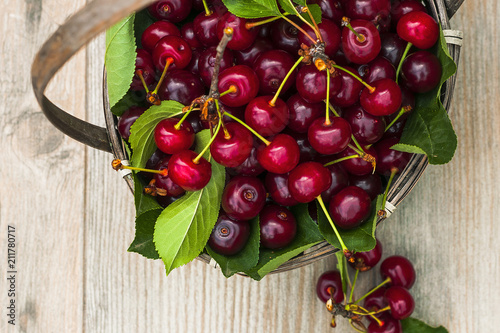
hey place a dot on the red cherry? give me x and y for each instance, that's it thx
(165, 182)
(400, 270)
(205, 28)
(186, 173)
(143, 63)
(365, 261)
(330, 138)
(157, 31)
(390, 325)
(312, 83)
(329, 31)
(277, 186)
(171, 10)
(277, 227)
(229, 236)
(418, 28)
(330, 282)
(361, 51)
(308, 180)
(242, 37)
(350, 207)
(400, 301)
(171, 140)
(233, 150)
(243, 197)
(385, 100)
(245, 82)
(280, 156)
(172, 47)
(267, 120)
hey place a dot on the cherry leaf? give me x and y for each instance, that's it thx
(251, 9)
(411, 325)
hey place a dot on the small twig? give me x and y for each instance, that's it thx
(228, 35)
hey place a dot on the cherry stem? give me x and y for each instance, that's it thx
(179, 123)
(196, 160)
(408, 47)
(275, 98)
(316, 30)
(232, 89)
(299, 28)
(169, 62)
(208, 12)
(359, 151)
(368, 313)
(228, 35)
(327, 117)
(267, 142)
(341, 159)
(141, 77)
(227, 136)
(322, 204)
(373, 290)
(372, 90)
(391, 178)
(303, 19)
(353, 285)
(118, 165)
(353, 139)
(250, 25)
(347, 23)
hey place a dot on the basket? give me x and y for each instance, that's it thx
(99, 15)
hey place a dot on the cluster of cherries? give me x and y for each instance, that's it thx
(298, 111)
(384, 306)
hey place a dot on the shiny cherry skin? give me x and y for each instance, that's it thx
(267, 120)
(280, 156)
(171, 10)
(366, 128)
(246, 82)
(361, 52)
(384, 101)
(418, 28)
(350, 207)
(400, 270)
(340, 180)
(181, 86)
(165, 182)
(329, 31)
(242, 37)
(390, 325)
(250, 167)
(378, 68)
(278, 227)
(229, 236)
(127, 119)
(308, 180)
(357, 166)
(364, 261)
(332, 10)
(186, 173)
(172, 47)
(233, 150)
(205, 28)
(400, 301)
(271, 68)
(393, 48)
(330, 282)
(285, 36)
(243, 197)
(328, 139)
(351, 88)
(302, 113)
(388, 158)
(307, 152)
(421, 71)
(249, 55)
(207, 62)
(188, 34)
(371, 183)
(171, 140)
(402, 7)
(144, 63)
(376, 11)
(156, 31)
(312, 83)
(277, 187)
(195, 60)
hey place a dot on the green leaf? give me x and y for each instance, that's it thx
(243, 260)
(307, 236)
(183, 228)
(143, 202)
(429, 130)
(144, 229)
(411, 325)
(342, 267)
(120, 58)
(313, 8)
(142, 131)
(253, 8)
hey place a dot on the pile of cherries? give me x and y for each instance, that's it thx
(384, 305)
(263, 97)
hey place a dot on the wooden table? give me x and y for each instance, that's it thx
(74, 220)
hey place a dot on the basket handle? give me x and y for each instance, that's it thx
(60, 47)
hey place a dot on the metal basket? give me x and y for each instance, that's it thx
(101, 14)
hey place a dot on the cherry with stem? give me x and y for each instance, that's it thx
(118, 164)
(275, 98)
(403, 110)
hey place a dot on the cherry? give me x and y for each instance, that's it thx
(332, 10)
(195, 60)
(330, 284)
(172, 47)
(364, 261)
(371, 183)
(312, 83)
(154, 160)
(390, 325)
(403, 7)
(392, 48)
(249, 55)
(238, 112)
(308, 180)
(157, 31)
(189, 35)
(205, 28)
(389, 159)
(350, 207)
(232, 146)
(242, 37)
(302, 113)
(285, 36)
(229, 236)
(280, 156)
(377, 11)
(127, 119)
(171, 140)
(357, 166)
(375, 301)
(307, 152)
(366, 128)
(385, 100)
(400, 301)
(250, 167)
(165, 182)
(361, 50)
(277, 186)
(271, 68)
(277, 227)
(267, 120)
(181, 86)
(144, 64)
(171, 10)
(189, 175)
(245, 82)
(418, 28)
(351, 88)
(207, 63)
(329, 138)
(378, 68)
(243, 197)
(340, 180)
(421, 71)
(330, 33)
(400, 270)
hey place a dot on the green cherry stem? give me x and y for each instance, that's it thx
(179, 123)
(232, 89)
(250, 25)
(342, 244)
(169, 62)
(408, 47)
(327, 118)
(347, 23)
(275, 98)
(266, 142)
(299, 28)
(373, 290)
(353, 285)
(208, 12)
(372, 90)
(341, 159)
(196, 160)
(403, 110)
(118, 165)
(382, 212)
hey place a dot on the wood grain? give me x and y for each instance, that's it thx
(74, 216)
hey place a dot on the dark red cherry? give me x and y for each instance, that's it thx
(233, 146)
(195, 60)
(402, 7)
(388, 158)
(308, 180)
(171, 10)
(361, 51)
(186, 173)
(351, 88)
(271, 68)
(155, 159)
(311, 84)
(302, 113)
(421, 71)
(267, 120)
(156, 31)
(400, 270)
(207, 63)
(277, 227)
(329, 283)
(329, 138)
(249, 55)
(329, 31)
(280, 156)
(357, 166)
(400, 301)
(242, 37)
(375, 301)
(385, 100)
(378, 68)
(418, 28)
(364, 261)
(390, 325)
(189, 35)
(171, 140)
(205, 28)
(243, 197)
(307, 152)
(246, 82)
(181, 86)
(238, 112)
(331, 9)
(371, 183)
(367, 129)
(376, 11)
(250, 167)
(350, 207)
(229, 236)
(285, 36)
(277, 187)
(144, 63)
(340, 180)
(393, 48)
(172, 47)
(165, 182)
(194, 119)
(127, 119)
